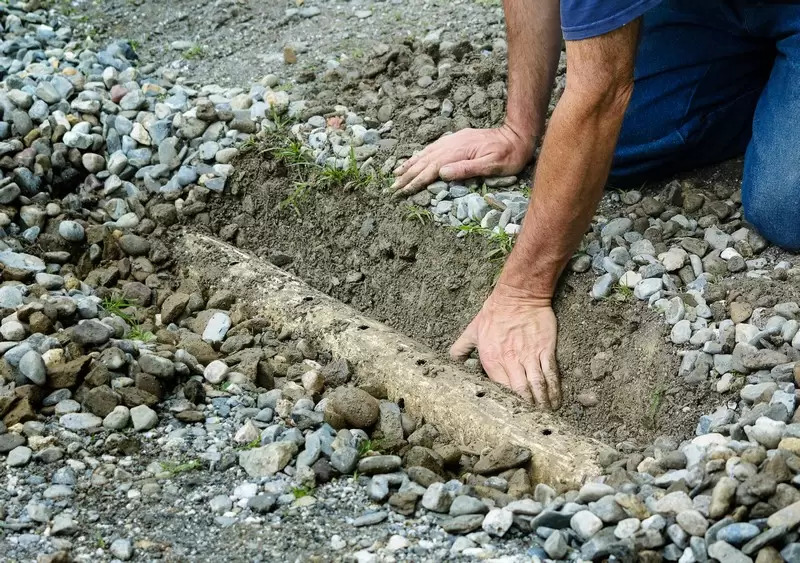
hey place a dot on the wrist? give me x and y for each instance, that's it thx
(521, 134)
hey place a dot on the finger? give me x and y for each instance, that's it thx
(403, 168)
(551, 377)
(409, 175)
(463, 169)
(496, 372)
(424, 179)
(466, 343)
(518, 381)
(537, 382)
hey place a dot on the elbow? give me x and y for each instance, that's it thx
(607, 97)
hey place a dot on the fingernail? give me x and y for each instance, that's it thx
(394, 186)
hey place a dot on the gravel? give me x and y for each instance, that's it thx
(196, 410)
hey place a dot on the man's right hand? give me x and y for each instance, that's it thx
(466, 154)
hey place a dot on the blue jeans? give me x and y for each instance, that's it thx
(715, 79)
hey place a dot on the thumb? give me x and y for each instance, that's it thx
(466, 343)
(464, 169)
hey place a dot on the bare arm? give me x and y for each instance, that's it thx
(515, 331)
(533, 30)
(575, 159)
(534, 44)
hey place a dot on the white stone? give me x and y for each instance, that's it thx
(215, 372)
(497, 522)
(144, 418)
(646, 288)
(681, 333)
(585, 524)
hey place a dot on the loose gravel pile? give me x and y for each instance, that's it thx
(126, 388)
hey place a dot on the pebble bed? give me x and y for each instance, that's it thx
(118, 375)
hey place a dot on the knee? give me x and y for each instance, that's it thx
(773, 211)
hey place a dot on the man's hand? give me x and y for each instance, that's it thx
(516, 338)
(465, 154)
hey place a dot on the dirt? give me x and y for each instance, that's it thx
(365, 250)
(237, 42)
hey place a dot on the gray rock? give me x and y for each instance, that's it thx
(19, 456)
(267, 460)
(32, 367)
(344, 460)
(497, 522)
(464, 504)
(143, 418)
(122, 549)
(585, 524)
(80, 421)
(437, 498)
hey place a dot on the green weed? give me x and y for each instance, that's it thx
(414, 213)
(297, 199)
(300, 492)
(194, 52)
(118, 305)
(368, 446)
(503, 242)
(174, 468)
(137, 333)
(623, 293)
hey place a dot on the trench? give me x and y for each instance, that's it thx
(371, 253)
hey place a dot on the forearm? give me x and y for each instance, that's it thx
(570, 176)
(533, 29)
(574, 162)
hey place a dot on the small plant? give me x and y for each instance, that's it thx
(194, 52)
(177, 468)
(293, 153)
(373, 446)
(300, 492)
(526, 191)
(504, 242)
(137, 333)
(276, 118)
(297, 198)
(252, 444)
(623, 293)
(250, 144)
(99, 541)
(414, 213)
(349, 177)
(117, 305)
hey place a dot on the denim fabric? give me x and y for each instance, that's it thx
(715, 79)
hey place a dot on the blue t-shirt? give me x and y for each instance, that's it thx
(581, 19)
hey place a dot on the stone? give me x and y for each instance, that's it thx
(122, 549)
(19, 456)
(738, 533)
(437, 498)
(503, 457)
(723, 551)
(787, 517)
(143, 418)
(80, 421)
(585, 524)
(216, 372)
(118, 418)
(464, 524)
(32, 367)
(356, 407)
(372, 465)
(267, 460)
(497, 522)
(464, 504)
(692, 522)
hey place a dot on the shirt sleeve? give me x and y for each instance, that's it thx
(581, 19)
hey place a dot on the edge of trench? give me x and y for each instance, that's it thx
(470, 410)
